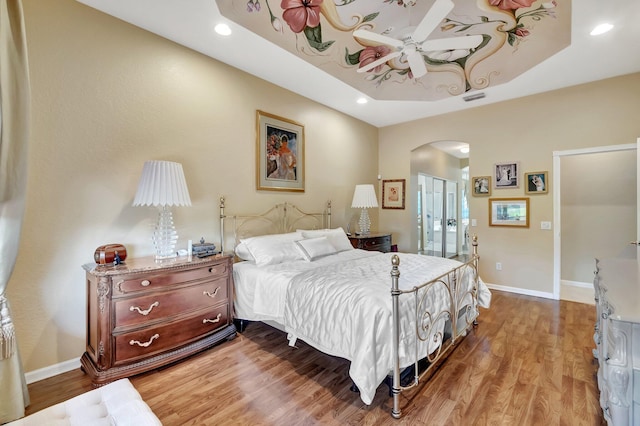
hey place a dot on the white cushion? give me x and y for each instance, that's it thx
(337, 237)
(272, 249)
(117, 403)
(313, 248)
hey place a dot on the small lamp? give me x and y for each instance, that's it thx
(364, 197)
(163, 185)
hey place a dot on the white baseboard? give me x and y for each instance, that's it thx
(519, 290)
(52, 370)
(576, 284)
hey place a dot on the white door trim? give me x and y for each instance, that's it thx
(557, 198)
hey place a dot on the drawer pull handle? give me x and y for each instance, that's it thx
(146, 344)
(144, 312)
(145, 283)
(206, 320)
(207, 293)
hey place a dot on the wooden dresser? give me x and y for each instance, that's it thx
(617, 338)
(142, 315)
(373, 242)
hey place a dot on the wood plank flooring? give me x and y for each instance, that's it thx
(528, 362)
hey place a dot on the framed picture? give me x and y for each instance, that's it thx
(509, 212)
(279, 153)
(506, 175)
(481, 185)
(536, 183)
(393, 194)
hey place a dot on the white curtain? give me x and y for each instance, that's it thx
(14, 134)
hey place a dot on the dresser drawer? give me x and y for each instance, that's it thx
(146, 281)
(162, 337)
(372, 242)
(377, 243)
(159, 305)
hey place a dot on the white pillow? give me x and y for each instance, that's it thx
(313, 248)
(337, 237)
(272, 249)
(243, 252)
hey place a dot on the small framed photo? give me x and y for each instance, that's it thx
(279, 153)
(481, 185)
(509, 212)
(536, 183)
(393, 193)
(506, 175)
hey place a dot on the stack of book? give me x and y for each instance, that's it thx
(204, 249)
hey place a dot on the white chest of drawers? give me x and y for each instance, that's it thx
(617, 337)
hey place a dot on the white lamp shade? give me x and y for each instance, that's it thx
(364, 197)
(162, 184)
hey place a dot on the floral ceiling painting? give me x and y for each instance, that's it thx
(516, 35)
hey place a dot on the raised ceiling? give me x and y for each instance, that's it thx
(516, 36)
(586, 59)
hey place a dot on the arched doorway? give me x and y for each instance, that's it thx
(441, 171)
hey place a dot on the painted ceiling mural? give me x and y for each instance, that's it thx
(516, 36)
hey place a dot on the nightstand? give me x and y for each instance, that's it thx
(373, 242)
(142, 315)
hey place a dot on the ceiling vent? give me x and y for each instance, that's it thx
(474, 97)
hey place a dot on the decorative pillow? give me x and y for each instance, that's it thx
(313, 248)
(243, 252)
(337, 237)
(272, 249)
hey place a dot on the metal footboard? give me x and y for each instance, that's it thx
(459, 314)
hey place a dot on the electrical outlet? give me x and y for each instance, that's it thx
(545, 225)
(498, 266)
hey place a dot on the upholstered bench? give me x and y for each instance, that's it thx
(117, 403)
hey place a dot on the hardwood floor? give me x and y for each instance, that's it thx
(528, 362)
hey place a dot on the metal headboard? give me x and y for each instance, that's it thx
(279, 219)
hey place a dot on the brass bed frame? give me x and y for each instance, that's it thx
(460, 313)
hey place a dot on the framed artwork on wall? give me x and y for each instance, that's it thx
(509, 212)
(536, 183)
(279, 153)
(393, 191)
(481, 186)
(506, 175)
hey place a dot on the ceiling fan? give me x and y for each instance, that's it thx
(414, 45)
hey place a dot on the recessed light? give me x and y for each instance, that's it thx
(223, 29)
(601, 29)
(362, 100)
(464, 150)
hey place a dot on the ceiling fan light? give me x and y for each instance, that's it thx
(223, 29)
(601, 29)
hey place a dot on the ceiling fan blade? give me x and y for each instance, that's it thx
(416, 63)
(378, 38)
(380, 61)
(453, 43)
(434, 16)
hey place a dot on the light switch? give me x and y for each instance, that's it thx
(545, 225)
(474, 222)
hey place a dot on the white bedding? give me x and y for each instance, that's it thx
(341, 305)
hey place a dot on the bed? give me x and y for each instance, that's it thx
(386, 313)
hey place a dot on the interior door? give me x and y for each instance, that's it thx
(437, 217)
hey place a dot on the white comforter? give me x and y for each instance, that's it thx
(341, 305)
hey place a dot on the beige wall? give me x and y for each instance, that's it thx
(527, 130)
(106, 97)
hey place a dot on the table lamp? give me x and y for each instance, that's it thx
(163, 185)
(364, 197)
